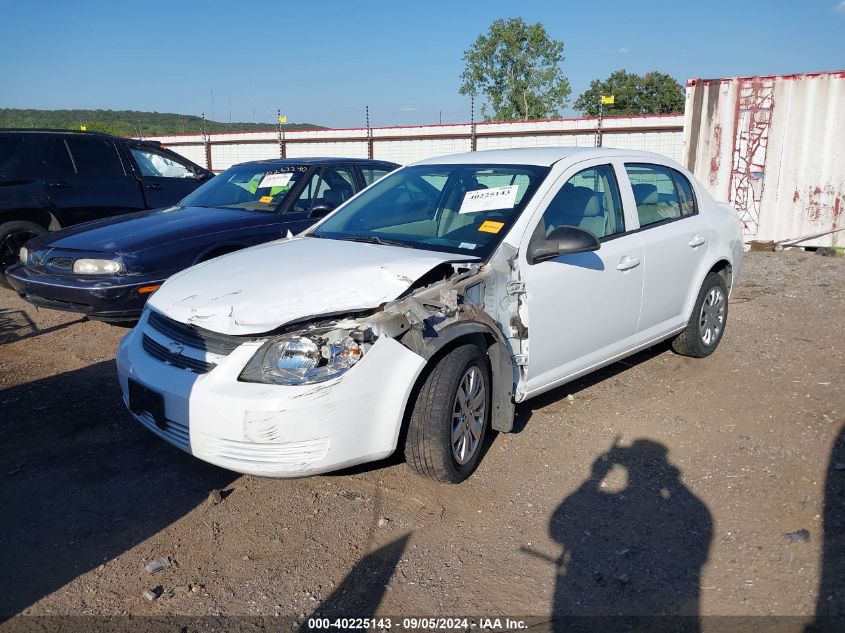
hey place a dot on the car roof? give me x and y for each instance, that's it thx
(317, 160)
(541, 156)
(47, 130)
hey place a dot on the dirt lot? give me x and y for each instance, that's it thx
(661, 484)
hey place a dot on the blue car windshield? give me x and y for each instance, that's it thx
(463, 209)
(253, 187)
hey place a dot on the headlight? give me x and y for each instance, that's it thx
(96, 266)
(23, 254)
(301, 359)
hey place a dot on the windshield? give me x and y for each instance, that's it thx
(464, 209)
(254, 187)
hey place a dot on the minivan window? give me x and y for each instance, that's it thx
(654, 192)
(95, 157)
(14, 158)
(463, 208)
(159, 165)
(57, 163)
(589, 200)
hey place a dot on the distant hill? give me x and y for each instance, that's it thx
(130, 122)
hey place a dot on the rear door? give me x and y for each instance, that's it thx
(98, 184)
(674, 236)
(166, 177)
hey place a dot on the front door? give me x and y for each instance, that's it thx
(583, 308)
(166, 179)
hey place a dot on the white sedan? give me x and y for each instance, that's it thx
(418, 313)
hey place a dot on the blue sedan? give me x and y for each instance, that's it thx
(108, 269)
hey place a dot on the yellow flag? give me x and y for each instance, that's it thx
(607, 99)
(283, 118)
(83, 128)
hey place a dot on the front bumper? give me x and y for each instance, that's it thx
(274, 430)
(103, 298)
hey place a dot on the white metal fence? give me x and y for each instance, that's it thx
(661, 134)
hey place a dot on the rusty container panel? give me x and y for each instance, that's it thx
(774, 147)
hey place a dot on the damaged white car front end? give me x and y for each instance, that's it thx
(322, 392)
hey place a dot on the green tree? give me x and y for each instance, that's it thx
(517, 68)
(652, 93)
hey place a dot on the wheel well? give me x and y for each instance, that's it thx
(724, 268)
(217, 251)
(480, 340)
(42, 217)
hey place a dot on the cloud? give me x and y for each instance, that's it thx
(840, 8)
(625, 50)
(413, 109)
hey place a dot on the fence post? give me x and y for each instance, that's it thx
(370, 152)
(206, 140)
(473, 139)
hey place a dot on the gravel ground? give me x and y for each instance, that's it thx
(661, 484)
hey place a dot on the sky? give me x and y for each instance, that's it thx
(323, 61)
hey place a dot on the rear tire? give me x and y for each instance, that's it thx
(450, 417)
(707, 322)
(13, 235)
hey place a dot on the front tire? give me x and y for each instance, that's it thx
(450, 417)
(707, 323)
(13, 235)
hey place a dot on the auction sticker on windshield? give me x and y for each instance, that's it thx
(275, 180)
(489, 199)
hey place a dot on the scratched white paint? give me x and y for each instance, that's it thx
(261, 288)
(772, 147)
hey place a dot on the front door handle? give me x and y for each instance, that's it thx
(61, 184)
(696, 241)
(627, 263)
(155, 186)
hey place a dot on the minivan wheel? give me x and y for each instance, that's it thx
(13, 235)
(708, 320)
(450, 417)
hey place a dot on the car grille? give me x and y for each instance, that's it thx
(193, 336)
(173, 432)
(160, 352)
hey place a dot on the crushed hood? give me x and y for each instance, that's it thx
(262, 288)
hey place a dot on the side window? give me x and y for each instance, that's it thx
(95, 157)
(336, 186)
(57, 163)
(685, 194)
(307, 195)
(371, 174)
(654, 192)
(158, 164)
(589, 200)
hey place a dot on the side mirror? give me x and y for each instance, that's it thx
(321, 210)
(202, 176)
(564, 240)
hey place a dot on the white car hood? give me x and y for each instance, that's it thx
(261, 288)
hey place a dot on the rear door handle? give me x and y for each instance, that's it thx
(61, 184)
(696, 241)
(627, 263)
(155, 186)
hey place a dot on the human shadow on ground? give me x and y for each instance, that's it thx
(361, 592)
(634, 541)
(830, 604)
